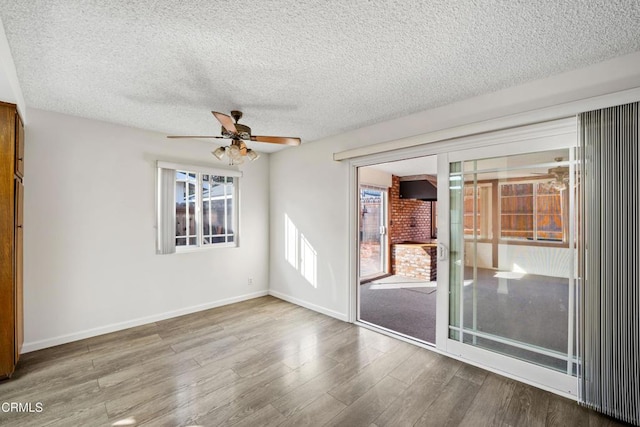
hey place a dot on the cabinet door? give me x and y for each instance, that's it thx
(19, 147)
(19, 299)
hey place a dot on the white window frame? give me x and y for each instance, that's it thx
(199, 172)
(535, 183)
(486, 215)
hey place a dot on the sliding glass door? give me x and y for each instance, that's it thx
(512, 260)
(506, 280)
(373, 232)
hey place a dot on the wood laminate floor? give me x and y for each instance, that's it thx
(265, 362)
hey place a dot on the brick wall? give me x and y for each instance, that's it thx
(410, 219)
(418, 262)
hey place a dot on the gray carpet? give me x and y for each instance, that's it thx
(512, 307)
(404, 305)
(517, 309)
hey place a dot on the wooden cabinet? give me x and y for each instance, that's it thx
(11, 237)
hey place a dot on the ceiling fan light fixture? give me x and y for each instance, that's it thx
(234, 152)
(252, 155)
(219, 152)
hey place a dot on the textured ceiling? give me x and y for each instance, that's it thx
(296, 68)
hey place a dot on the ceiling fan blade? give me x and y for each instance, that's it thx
(276, 140)
(196, 136)
(225, 121)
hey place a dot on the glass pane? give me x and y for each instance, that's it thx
(512, 295)
(191, 210)
(217, 208)
(550, 202)
(181, 209)
(229, 224)
(185, 207)
(456, 246)
(206, 211)
(371, 218)
(477, 208)
(517, 204)
(217, 217)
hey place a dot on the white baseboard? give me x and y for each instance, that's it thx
(64, 339)
(310, 306)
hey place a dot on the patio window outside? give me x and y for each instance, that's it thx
(528, 210)
(531, 211)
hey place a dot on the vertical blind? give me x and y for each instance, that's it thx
(166, 239)
(610, 261)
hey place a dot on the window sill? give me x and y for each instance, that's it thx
(190, 249)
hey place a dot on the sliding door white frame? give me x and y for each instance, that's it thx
(559, 382)
(537, 137)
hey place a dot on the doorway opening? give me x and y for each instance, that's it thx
(398, 238)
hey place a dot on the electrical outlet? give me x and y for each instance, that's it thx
(250, 281)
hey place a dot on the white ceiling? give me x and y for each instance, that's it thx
(296, 68)
(427, 165)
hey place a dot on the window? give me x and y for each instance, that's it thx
(516, 211)
(205, 206)
(531, 211)
(218, 209)
(197, 207)
(481, 195)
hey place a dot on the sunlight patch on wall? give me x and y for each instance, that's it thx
(290, 242)
(308, 261)
(299, 252)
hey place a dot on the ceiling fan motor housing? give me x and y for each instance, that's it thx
(244, 132)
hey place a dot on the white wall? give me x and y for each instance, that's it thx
(90, 262)
(484, 256)
(374, 177)
(313, 189)
(542, 260)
